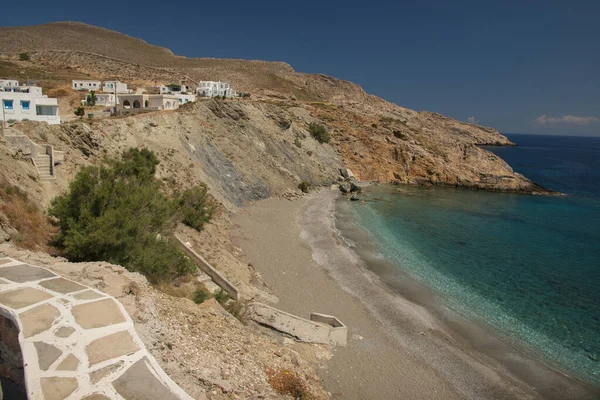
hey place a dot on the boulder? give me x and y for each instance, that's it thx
(346, 173)
(354, 188)
(345, 187)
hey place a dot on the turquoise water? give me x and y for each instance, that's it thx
(528, 266)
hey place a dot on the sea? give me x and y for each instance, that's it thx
(525, 266)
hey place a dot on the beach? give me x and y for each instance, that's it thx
(402, 342)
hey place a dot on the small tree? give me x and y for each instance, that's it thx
(80, 112)
(91, 98)
(319, 132)
(24, 57)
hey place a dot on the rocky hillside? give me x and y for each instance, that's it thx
(378, 140)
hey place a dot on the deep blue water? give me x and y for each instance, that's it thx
(528, 266)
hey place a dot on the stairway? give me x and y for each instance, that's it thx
(44, 167)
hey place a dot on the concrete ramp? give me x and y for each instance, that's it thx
(320, 328)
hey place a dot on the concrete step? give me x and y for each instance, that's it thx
(212, 287)
(202, 277)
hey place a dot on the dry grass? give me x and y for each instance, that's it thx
(288, 383)
(34, 230)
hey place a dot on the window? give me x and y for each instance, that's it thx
(74, 85)
(8, 104)
(181, 100)
(24, 105)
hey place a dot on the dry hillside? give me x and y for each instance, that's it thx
(376, 139)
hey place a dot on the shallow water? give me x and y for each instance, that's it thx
(528, 266)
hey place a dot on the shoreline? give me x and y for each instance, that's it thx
(399, 345)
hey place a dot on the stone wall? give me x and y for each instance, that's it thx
(11, 360)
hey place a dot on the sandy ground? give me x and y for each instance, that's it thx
(397, 349)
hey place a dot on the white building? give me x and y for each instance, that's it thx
(148, 102)
(79, 84)
(214, 89)
(115, 86)
(27, 103)
(102, 99)
(176, 89)
(8, 83)
(185, 98)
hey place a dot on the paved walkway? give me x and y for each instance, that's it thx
(77, 342)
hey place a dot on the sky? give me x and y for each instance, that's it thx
(519, 66)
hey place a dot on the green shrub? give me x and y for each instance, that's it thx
(304, 186)
(319, 132)
(23, 56)
(221, 296)
(117, 213)
(200, 296)
(400, 135)
(374, 126)
(195, 207)
(80, 112)
(298, 143)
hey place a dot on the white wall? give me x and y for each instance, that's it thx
(31, 106)
(79, 84)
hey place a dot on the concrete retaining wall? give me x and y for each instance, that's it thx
(320, 328)
(208, 269)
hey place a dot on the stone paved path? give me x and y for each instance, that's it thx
(77, 342)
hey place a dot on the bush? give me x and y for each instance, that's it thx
(287, 383)
(221, 296)
(116, 213)
(195, 207)
(304, 186)
(80, 112)
(400, 135)
(200, 296)
(23, 56)
(298, 143)
(319, 132)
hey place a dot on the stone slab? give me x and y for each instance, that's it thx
(139, 383)
(38, 319)
(25, 273)
(87, 295)
(98, 314)
(111, 346)
(101, 373)
(96, 396)
(68, 364)
(47, 354)
(20, 298)
(62, 285)
(64, 332)
(55, 388)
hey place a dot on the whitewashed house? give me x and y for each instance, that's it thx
(115, 87)
(79, 84)
(175, 89)
(27, 103)
(148, 102)
(9, 83)
(102, 99)
(214, 89)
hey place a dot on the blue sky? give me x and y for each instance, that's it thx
(519, 66)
